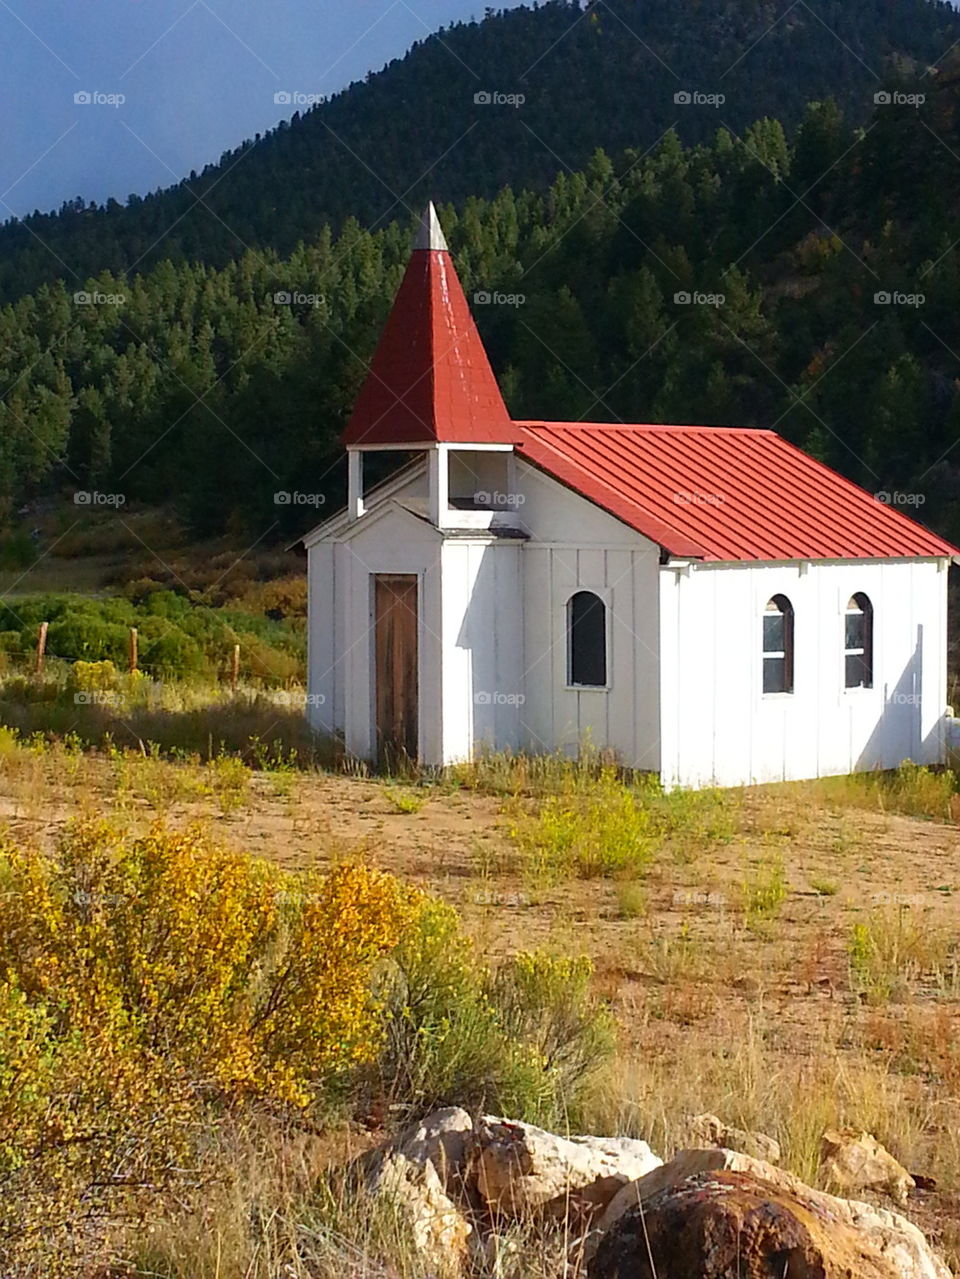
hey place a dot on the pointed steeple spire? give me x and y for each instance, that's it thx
(430, 380)
(430, 234)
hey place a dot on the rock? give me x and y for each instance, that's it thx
(718, 1213)
(438, 1230)
(852, 1161)
(518, 1168)
(442, 1139)
(708, 1130)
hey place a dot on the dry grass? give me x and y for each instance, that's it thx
(785, 958)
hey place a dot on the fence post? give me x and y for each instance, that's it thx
(235, 667)
(41, 646)
(133, 649)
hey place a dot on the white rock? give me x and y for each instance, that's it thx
(518, 1167)
(438, 1230)
(440, 1139)
(853, 1161)
(708, 1130)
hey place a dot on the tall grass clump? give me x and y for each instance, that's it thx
(592, 826)
(599, 822)
(893, 950)
(102, 706)
(912, 789)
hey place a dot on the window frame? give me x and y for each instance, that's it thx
(787, 655)
(867, 654)
(603, 596)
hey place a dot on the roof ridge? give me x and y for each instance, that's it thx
(531, 424)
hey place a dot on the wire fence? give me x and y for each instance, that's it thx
(233, 668)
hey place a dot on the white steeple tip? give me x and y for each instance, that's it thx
(430, 235)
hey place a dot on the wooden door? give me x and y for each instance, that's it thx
(397, 701)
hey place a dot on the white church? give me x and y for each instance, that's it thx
(708, 603)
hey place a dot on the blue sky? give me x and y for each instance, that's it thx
(196, 76)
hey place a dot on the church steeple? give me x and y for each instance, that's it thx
(430, 381)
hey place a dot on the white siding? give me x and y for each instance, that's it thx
(625, 716)
(717, 726)
(482, 675)
(389, 542)
(322, 641)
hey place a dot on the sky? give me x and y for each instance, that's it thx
(109, 97)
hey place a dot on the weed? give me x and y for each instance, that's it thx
(763, 892)
(893, 950)
(404, 801)
(631, 900)
(824, 887)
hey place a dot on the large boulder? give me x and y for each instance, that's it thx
(852, 1161)
(708, 1130)
(518, 1168)
(718, 1214)
(437, 1229)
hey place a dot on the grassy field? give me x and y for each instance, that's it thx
(785, 956)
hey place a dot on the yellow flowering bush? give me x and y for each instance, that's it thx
(144, 980)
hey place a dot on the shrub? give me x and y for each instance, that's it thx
(594, 826)
(143, 981)
(525, 1040)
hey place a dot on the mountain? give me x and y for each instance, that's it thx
(804, 283)
(605, 75)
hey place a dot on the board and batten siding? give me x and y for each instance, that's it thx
(575, 546)
(482, 638)
(341, 650)
(718, 727)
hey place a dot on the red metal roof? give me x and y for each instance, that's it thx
(724, 493)
(430, 379)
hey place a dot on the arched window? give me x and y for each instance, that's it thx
(587, 640)
(858, 643)
(778, 646)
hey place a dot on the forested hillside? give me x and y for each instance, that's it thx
(603, 74)
(220, 388)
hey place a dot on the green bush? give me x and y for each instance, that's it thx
(178, 638)
(526, 1040)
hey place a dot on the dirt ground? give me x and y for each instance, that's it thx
(711, 1000)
